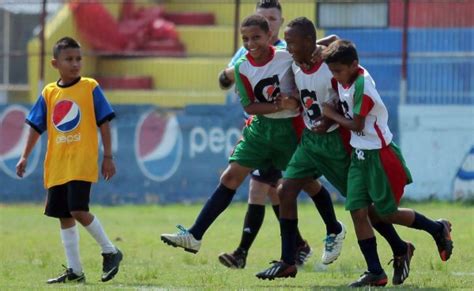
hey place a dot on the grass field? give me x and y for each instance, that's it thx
(31, 250)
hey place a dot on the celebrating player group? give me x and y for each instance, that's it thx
(312, 110)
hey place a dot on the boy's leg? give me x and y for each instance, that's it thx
(190, 239)
(368, 246)
(78, 201)
(287, 192)
(57, 206)
(402, 250)
(70, 240)
(252, 222)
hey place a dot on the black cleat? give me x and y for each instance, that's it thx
(370, 279)
(279, 269)
(235, 260)
(401, 265)
(444, 241)
(110, 265)
(68, 277)
(303, 253)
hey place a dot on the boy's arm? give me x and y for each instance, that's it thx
(327, 40)
(33, 137)
(108, 166)
(356, 124)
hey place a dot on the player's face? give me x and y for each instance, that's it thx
(298, 46)
(69, 64)
(256, 41)
(343, 73)
(273, 16)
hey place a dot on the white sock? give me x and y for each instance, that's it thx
(70, 238)
(98, 233)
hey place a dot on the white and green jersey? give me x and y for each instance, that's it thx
(257, 83)
(362, 98)
(316, 86)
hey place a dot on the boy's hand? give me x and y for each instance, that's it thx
(317, 55)
(328, 109)
(285, 101)
(321, 125)
(108, 168)
(21, 167)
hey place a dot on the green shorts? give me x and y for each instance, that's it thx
(266, 142)
(378, 177)
(321, 155)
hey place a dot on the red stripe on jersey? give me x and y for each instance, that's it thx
(367, 105)
(299, 126)
(334, 85)
(248, 87)
(379, 134)
(263, 62)
(394, 170)
(346, 139)
(313, 69)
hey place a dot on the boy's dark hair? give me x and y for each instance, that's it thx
(257, 20)
(341, 51)
(304, 27)
(64, 43)
(268, 4)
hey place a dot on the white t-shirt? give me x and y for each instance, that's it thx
(362, 98)
(316, 86)
(262, 83)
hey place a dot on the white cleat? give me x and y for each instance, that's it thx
(183, 239)
(333, 246)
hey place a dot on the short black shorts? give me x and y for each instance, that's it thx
(269, 176)
(71, 196)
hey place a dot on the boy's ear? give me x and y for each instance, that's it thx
(54, 63)
(355, 64)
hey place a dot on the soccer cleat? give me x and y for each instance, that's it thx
(235, 260)
(110, 265)
(279, 269)
(68, 277)
(444, 241)
(333, 246)
(370, 279)
(183, 239)
(303, 253)
(401, 265)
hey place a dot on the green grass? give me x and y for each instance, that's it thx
(31, 250)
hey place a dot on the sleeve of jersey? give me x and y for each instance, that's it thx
(362, 103)
(37, 116)
(236, 57)
(243, 86)
(103, 110)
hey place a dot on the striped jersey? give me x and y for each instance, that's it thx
(315, 86)
(362, 98)
(261, 83)
(70, 115)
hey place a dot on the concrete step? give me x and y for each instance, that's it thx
(193, 74)
(165, 98)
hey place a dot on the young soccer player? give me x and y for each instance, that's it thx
(263, 182)
(323, 150)
(270, 137)
(70, 110)
(377, 173)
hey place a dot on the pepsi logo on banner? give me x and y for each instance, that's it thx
(13, 136)
(158, 145)
(66, 115)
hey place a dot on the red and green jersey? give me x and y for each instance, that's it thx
(362, 98)
(316, 86)
(261, 83)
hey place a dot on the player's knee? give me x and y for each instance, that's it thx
(359, 216)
